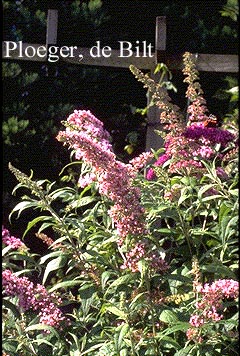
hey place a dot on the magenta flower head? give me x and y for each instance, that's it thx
(12, 241)
(36, 298)
(140, 161)
(221, 173)
(150, 174)
(162, 159)
(159, 162)
(212, 135)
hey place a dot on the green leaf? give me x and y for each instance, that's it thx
(203, 189)
(124, 330)
(87, 291)
(20, 207)
(230, 9)
(179, 326)
(92, 348)
(123, 352)
(53, 265)
(62, 192)
(35, 221)
(105, 277)
(75, 353)
(228, 227)
(43, 259)
(165, 231)
(79, 344)
(5, 250)
(219, 269)
(45, 225)
(37, 327)
(69, 165)
(9, 305)
(135, 299)
(184, 195)
(168, 316)
(24, 271)
(177, 277)
(185, 351)
(234, 192)
(143, 268)
(42, 341)
(230, 323)
(114, 310)
(65, 284)
(212, 197)
(169, 342)
(158, 67)
(83, 202)
(223, 211)
(20, 257)
(119, 281)
(10, 346)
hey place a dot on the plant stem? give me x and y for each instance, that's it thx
(132, 342)
(185, 230)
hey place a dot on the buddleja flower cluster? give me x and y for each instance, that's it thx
(187, 143)
(86, 135)
(12, 241)
(209, 306)
(34, 298)
(142, 251)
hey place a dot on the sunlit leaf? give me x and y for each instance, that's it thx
(54, 265)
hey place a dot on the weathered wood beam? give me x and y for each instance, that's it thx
(219, 63)
(52, 27)
(153, 140)
(224, 63)
(227, 63)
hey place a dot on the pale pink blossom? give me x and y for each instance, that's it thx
(209, 306)
(86, 179)
(140, 161)
(115, 178)
(196, 320)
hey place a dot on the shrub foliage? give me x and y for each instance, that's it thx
(141, 257)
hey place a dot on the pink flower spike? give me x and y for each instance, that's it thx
(85, 134)
(33, 297)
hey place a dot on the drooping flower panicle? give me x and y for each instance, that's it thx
(34, 297)
(86, 135)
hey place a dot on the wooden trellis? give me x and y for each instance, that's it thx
(205, 62)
